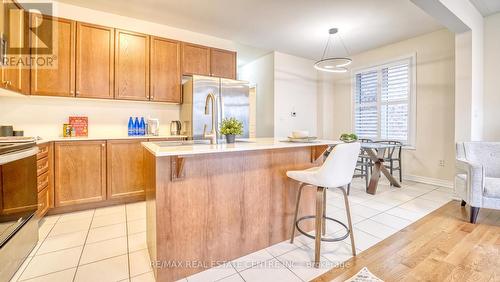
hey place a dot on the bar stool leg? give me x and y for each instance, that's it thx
(348, 212)
(323, 223)
(318, 221)
(296, 211)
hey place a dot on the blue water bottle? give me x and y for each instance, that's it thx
(142, 127)
(136, 126)
(131, 127)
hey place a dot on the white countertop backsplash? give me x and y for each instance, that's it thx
(112, 137)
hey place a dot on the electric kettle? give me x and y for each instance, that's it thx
(153, 126)
(175, 127)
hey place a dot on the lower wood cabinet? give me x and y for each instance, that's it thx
(125, 168)
(80, 172)
(45, 178)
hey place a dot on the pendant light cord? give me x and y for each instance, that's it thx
(326, 47)
(325, 52)
(345, 47)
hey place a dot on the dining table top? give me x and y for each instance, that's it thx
(370, 145)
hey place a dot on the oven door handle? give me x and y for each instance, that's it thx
(15, 156)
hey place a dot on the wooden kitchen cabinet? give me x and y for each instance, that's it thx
(165, 70)
(94, 61)
(195, 59)
(80, 172)
(45, 178)
(16, 76)
(222, 63)
(125, 168)
(131, 65)
(58, 79)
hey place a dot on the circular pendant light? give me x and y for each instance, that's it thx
(333, 64)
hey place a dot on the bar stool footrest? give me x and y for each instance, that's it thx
(336, 239)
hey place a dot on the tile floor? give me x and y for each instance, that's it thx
(109, 244)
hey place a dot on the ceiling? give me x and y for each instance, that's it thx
(487, 7)
(297, 27)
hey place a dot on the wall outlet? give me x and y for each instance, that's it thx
(441, 163)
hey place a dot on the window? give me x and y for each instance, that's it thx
(384, 102)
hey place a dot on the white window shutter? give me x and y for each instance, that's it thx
(382, 102)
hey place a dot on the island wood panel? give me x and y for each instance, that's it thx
(228, 205)
(58, 80)
(131, 65)
(195, 59)
(165, 70)
(16, 77)
(80, 172)
(125, 168)
(94, 61)
(222, 63)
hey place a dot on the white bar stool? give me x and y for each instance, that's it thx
(336, 172)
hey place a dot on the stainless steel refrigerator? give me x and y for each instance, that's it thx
(231, 100)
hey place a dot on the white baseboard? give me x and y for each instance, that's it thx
(429, 180)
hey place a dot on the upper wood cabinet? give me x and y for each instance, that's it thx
(16, 77)
(94, 61)
(222, 63)
(79, 172)
(195, 59)
(58, 79)
(125, 168)
(131, 65)
(165, 70)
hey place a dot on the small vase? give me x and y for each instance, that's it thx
(230, 138)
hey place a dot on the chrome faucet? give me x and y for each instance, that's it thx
(212, 135)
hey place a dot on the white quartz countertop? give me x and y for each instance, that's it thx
(164, 149)
(114, 137)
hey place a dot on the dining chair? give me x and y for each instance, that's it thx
(363, 165)
(392, 156)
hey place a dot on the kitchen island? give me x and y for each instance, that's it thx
(208, 204)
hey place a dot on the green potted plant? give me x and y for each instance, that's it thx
(349, 137)
(231, 127)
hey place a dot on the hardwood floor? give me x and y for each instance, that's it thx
(442, 246)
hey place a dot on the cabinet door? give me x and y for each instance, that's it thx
(125, 168)
(16, 75)
(59, 79)
(94, 61)
(131, 65)
(222, 63)
(165, 70)
(195, 59)
(80, 172)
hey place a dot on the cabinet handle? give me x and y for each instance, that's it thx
(103, 144)
(152, 96)
(72, 92)
(77, 93)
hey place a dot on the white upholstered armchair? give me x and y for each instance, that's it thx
(477, 179)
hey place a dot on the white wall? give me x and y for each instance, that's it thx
(492, 78)
(44, 116)
(462, 17)
(295, 90)
(325, 111)
(260, 72)
(435, 101)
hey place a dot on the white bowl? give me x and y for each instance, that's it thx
(300, 134)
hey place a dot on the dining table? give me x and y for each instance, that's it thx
(376, 152)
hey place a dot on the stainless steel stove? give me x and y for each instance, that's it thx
(18, 202)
